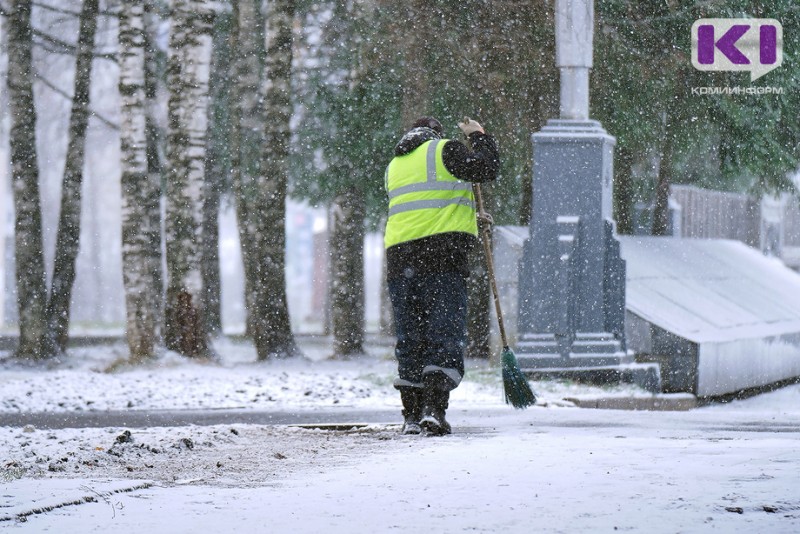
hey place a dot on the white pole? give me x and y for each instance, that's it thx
(574, 39)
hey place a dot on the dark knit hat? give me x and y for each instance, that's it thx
(429, 122)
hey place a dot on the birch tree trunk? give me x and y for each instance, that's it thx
(273, 334)
(347, 273)
(30, 275)
(155, 127)
(69, 222)
(140, 192)
(187, 79)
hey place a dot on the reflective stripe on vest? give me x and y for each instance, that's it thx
(425, 198)
(428, 204)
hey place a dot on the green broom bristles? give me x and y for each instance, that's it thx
(517, 390)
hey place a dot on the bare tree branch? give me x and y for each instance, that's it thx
(57, 9)
(47, 83)
(62, 47)
(69, 11)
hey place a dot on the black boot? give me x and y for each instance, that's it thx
(412, 410)
(434, 405)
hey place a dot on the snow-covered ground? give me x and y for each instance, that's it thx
(551, 468)
(97, 378)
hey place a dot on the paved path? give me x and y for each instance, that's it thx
(541, 470)
(159, 418)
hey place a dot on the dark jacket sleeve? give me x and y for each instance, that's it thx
(480, 164)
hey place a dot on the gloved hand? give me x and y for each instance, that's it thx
(485, 218)
(469, 126)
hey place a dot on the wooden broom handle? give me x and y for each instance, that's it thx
(487, 247)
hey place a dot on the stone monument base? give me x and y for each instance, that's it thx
(593, 358)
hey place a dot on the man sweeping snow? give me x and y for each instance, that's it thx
(430, 232)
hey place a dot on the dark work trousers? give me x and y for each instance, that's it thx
(430, 313)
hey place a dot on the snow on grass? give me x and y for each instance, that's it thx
(99, 379)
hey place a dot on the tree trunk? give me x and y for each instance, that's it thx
(155, 125)
(247, 138)
(486, 91)
(235, 141)
(30, 277)
(526, 190)
(69, 222)
(348, 208)
(386, 318)
(416, 53)
(216, 168)
(140, 193)
(347, 273)
(187, 79)
(479, 296)
(273, 335)
(660, 224)
(672, 120)
(210, 253)
(623, 190)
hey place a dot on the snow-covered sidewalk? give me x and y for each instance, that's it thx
(542, 470)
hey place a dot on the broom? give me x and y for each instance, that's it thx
(518, 392)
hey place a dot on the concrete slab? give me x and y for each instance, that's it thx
(677, 402)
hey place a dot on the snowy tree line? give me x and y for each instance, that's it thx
(265, 99)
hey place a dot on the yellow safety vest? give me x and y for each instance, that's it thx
(424, 198)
